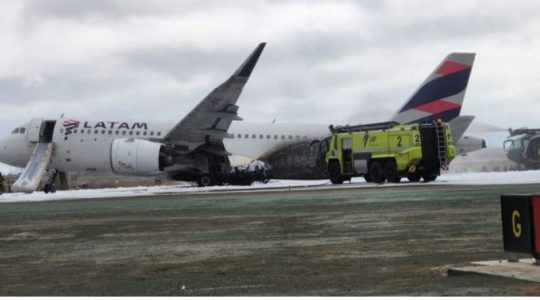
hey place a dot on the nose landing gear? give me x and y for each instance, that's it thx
(50, 186)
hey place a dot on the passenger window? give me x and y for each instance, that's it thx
(138, 133)
(290, 137)
(275, 137)
(82, 131)
(239, 136)
(151, 133)
(117, 132)
(96, 131)
(144, 133)
(75, 131)
(131, 133)
(254, 136)
(246, 136)
(282, 137)
(297, 137)
(158, 133)
(103, 132)
(268, 136)
(124, 132)
(261, 136)
(110, 132)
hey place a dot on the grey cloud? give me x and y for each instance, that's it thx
(180, 62)
(313, 70)
(72, 9)
(446, 22)
(104, 8)
(57, 89)
(118, 9)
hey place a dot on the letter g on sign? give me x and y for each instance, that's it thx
(516, 226)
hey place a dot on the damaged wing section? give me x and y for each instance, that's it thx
(198, 137)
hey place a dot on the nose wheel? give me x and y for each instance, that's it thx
(50, 186)
(205, 180)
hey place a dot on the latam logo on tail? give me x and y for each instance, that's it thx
(441, 95)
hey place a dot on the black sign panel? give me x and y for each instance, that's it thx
(516, 219)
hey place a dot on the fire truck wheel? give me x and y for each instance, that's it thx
(204, 180)
(414, 177)
(429, 177)
(334, 171)
(376, 172)
(367, 178)
(391, 172)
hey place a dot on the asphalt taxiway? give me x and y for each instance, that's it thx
(394, 240)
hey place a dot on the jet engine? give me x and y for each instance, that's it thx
(138, 157)
(468, 144)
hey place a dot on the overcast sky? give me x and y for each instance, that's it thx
(325, 61)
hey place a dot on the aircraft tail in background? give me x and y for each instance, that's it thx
(441, 95)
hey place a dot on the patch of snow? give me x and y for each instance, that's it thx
(489, 178)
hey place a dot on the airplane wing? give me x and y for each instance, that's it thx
(209, 121)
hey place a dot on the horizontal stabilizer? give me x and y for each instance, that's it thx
(458, 125)
(31, 176)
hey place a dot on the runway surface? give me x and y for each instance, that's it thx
(389, 240)
(522, 177)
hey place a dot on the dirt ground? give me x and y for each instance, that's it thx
(357, 242)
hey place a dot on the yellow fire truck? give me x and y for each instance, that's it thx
(388, 151)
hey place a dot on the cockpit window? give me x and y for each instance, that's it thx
(19, 130)
(514, 143)
(508, 145)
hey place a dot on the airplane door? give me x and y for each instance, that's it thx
(34, 130)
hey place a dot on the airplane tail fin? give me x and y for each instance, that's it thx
(441, 95)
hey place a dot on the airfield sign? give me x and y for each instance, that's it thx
(521, 223)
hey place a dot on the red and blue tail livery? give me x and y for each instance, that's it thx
(441, 95)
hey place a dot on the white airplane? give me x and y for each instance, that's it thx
(205, 144)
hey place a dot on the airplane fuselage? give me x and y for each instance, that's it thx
(86, 145)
